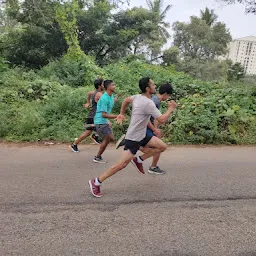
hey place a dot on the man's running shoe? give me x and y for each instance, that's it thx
(137, 165)
(120, 142)
(95, 138)
(74, 148)
(156, 170)
(99, 160)
(95, 190)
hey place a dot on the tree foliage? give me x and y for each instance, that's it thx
(171, 56)
(34, 38)
(250, 5)
(208, 16)
(197, 40)
(66, 17)
(35, 32)
(235, 71)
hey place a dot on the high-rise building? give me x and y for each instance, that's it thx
(243, 50)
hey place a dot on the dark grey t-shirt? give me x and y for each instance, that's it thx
(157, 103)
(142, 109)
(93, 109)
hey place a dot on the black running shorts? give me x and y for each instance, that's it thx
(134, 146)
(89, 124)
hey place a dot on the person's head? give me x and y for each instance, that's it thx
(109, 85)
(98, 83)
(147, 85)
(165, 91)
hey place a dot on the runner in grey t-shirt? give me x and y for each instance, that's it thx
(164, 93)
(143, 109)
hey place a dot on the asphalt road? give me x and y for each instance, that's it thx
(204, 205)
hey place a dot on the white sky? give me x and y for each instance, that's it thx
(239, 23)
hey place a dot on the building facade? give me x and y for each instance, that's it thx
(243, 50)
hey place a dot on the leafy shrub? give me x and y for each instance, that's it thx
(72, 72)
(208, 113)
(3, 65)
(37, 90)
(220, 117)
(7, 117)
(17, 84)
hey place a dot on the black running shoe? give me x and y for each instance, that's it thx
(96, 138)
(74, 148)
(156, 170)
(99, 160)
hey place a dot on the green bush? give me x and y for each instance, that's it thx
(7, 117)
(72, 72)
(17, 85)
(222, 116)
(60, 117)
(208, 113)
(3, 65)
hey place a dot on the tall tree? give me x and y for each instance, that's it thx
(170, 56)
(36, 38)
(159, 15)
(235, 71)
(66, 17)
(127, 34)
(197, 40)
(208, 16)
(113, 36)
(92, 22)
(160, 34)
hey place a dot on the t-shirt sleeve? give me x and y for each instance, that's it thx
(153, 110)
(133, 97)
(103, 105)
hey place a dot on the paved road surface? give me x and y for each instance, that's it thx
(204, 205)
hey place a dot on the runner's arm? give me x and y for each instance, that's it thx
(106, 115)
(151, 126)
(88, 99)
(97, 96)
(125, 105)
(121, 117)
(164, 118)
(156, 124)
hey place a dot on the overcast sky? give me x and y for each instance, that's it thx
(239, 23)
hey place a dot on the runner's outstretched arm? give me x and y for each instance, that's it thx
(164, 117)
(121, 117)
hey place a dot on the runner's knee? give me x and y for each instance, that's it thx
(163, 147)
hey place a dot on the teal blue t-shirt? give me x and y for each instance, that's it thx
(105, 104)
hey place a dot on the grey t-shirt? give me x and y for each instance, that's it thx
(142, 109)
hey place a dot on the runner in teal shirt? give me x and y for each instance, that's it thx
(101, 119)
(105, 104)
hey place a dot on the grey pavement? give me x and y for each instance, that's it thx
(204, 205)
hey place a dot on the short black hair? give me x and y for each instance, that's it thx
(107, 83)
(165, 88)
(144, 83)
(98, 82)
